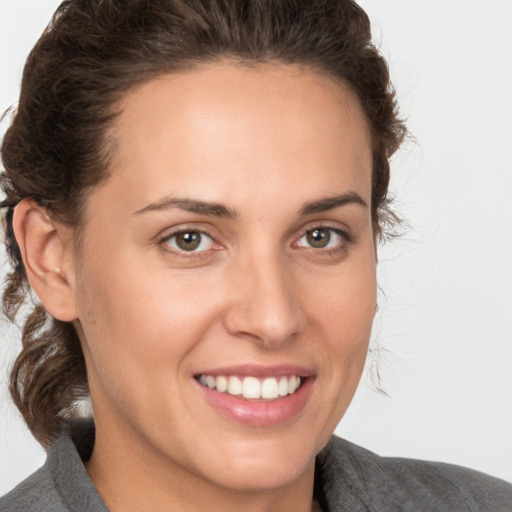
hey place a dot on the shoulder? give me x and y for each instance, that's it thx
(386, 483)
(35, 494)
(62, 484)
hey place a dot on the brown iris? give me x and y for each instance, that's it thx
(188, 240)
(318, 238)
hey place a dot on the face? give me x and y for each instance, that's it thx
(225, 287)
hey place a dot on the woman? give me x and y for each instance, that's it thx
(194, 191)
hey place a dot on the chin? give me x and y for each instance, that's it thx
(261, 477)
(261, 465)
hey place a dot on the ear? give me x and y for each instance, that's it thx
(47, 251)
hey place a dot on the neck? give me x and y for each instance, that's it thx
(148, 480)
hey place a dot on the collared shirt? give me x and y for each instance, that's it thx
(347, 478)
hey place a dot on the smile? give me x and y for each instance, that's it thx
(254, 395)
(252, 388)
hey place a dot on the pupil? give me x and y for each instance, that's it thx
(188, 241)
(318, 238)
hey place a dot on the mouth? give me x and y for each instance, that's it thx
(251, 387)
(255, 396)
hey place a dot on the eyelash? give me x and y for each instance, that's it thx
(164, 243)
(181, 253)
(346, 239)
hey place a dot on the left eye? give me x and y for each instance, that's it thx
(321, 238)
(190, 241)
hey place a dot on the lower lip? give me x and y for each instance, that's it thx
(259, 413)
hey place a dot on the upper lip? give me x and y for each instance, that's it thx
(256, 370)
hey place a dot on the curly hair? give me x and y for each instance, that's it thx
(89, 56)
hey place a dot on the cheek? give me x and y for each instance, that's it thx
(137, 318)
(341, 322)
(346, 306)
(343, 317)
(136, 335)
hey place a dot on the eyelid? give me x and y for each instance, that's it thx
(173, 232)
(202, 234)
(170, 231)
(344, 232)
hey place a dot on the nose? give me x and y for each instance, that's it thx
(264, 306)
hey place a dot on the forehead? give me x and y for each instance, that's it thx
(219, 128)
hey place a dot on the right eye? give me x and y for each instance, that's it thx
(322, 237)
(189, 241)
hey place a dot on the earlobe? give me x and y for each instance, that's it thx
(46, 250)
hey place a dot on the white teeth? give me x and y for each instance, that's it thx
(234, 386)
(252, 387)
(283, 386)
(222, 383)
(269, 388)
(293, 384)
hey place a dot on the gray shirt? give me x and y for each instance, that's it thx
(347, 478)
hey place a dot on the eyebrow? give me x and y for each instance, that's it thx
(189, 205)
(219, 210)
(329, 203)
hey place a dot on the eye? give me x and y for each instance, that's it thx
(189, 241)
(322, 238)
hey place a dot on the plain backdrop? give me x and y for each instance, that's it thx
(445, 312)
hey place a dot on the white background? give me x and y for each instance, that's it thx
(446, 317)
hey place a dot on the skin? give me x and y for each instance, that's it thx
(263, 142)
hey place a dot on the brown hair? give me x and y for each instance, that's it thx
(92, 53)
